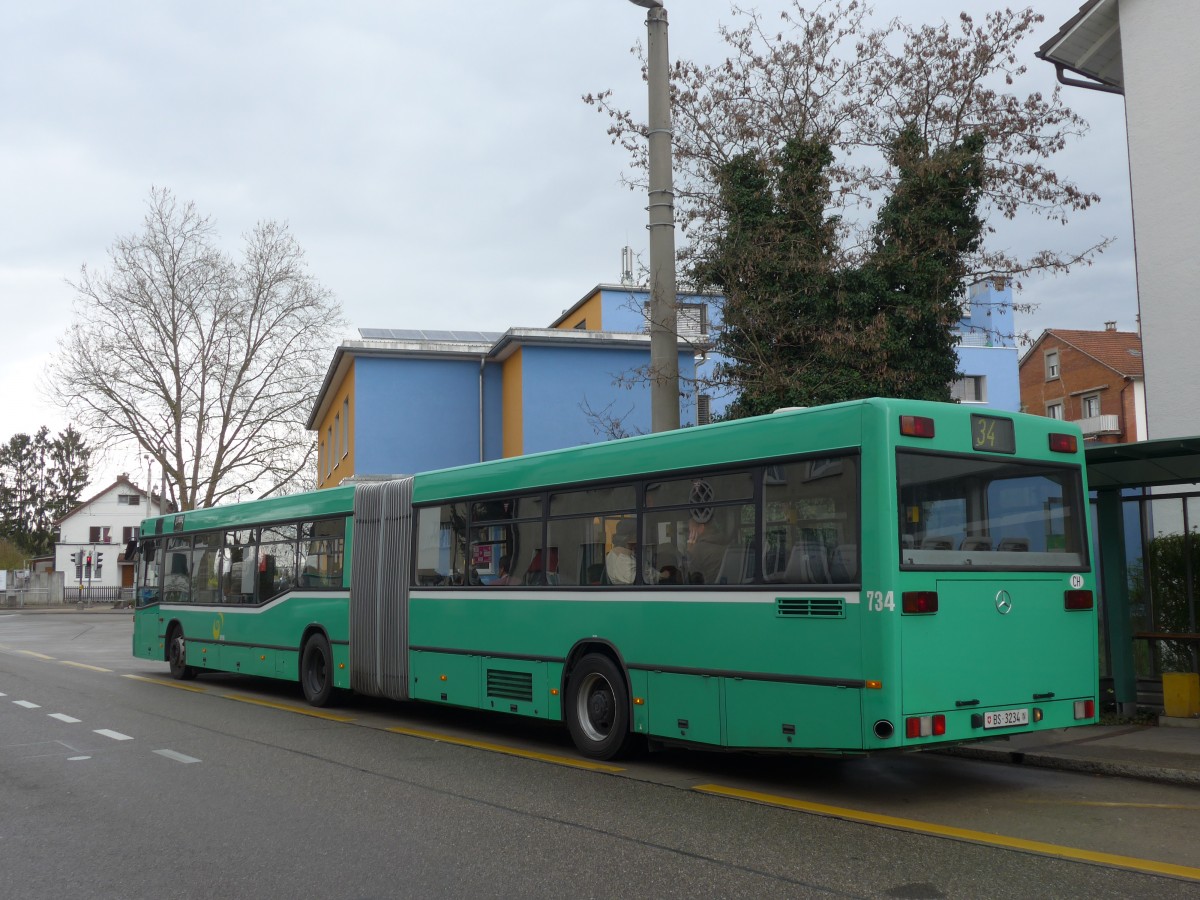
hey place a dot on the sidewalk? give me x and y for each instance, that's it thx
(1168, 752)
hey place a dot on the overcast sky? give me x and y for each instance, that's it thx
(434, 160)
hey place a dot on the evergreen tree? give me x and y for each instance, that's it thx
(802, 326)
(925, 234)
(41, 479)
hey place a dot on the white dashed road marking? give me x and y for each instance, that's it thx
(115, 735)
(26, 704)
(178, 757)
(63, 717)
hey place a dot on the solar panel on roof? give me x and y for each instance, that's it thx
(417, 334)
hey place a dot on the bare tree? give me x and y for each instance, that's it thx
(209, 364)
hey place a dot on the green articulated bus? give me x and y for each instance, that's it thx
(866, 576)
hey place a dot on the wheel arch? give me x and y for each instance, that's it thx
(603, 646)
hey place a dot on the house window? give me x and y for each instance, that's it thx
(1054, 410)
(970, 389)
(337, 438)
(691, 320)
(128, 533)
(345, 426)
(703, 409)
(320, 460)
(329, 451)
(129, 500)
(1052, 370)
(99, 534)
(1091, 406)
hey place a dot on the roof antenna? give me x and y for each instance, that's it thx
(627, 265)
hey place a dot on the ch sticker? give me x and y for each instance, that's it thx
(1077, 581)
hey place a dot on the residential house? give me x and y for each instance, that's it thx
(1093, 378)
(92, 536)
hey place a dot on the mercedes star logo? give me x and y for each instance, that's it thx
(1003, 603)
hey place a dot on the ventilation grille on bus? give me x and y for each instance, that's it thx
(816, 607)
(510, 685)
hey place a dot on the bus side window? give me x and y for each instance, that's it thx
(812, 522)
(322, 546)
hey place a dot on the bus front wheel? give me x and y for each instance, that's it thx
(598, 707)
(316, 671)
(177, 656)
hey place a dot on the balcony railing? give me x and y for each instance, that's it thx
(1094, 425)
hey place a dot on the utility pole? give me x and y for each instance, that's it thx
(664, 334)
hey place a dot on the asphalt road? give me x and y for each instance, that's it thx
(116, 782)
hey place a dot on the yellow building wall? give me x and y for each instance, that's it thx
(587, 317)
(343, 444)
(514, 410)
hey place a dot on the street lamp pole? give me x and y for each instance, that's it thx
(664, 345)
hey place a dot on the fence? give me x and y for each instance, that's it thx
(86, 596)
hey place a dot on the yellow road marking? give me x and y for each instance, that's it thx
(510, 751)
(171, 684)
(31, 653)
(67, 662)
(966, 834)
(287, 707)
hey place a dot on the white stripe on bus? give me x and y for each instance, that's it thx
(590, 595)
(655, 596)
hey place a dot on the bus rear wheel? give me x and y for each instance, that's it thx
(177, 655)
(316, 671)
(598, 708)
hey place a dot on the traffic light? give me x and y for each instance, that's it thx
(99, 561)
(87, 566)
(73, 558)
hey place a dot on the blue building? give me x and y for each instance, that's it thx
(987, 349)
(404, 401)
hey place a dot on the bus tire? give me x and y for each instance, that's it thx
(316, 671)
(598, 707)
(177, 655)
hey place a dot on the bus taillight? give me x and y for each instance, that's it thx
(1085, 709)
(919, 602)
(924, 726)
(916, 426)
(1077, 599)
(1063, 443)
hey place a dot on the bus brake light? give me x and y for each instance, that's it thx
(916, 426)
(1063, 443)
(1085, 709)
(919, 602)
(924, 726)
(1077, 599)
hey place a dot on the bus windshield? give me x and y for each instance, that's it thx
(959, 512)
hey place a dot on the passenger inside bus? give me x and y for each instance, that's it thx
(705, 548)
(503, 571)
(620, 565)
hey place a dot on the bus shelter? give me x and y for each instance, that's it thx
(1147, 510)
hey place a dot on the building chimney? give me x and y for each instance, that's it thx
(1110, 326)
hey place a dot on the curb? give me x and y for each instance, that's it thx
(1089, 766)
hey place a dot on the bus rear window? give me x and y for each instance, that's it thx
(971, 513)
